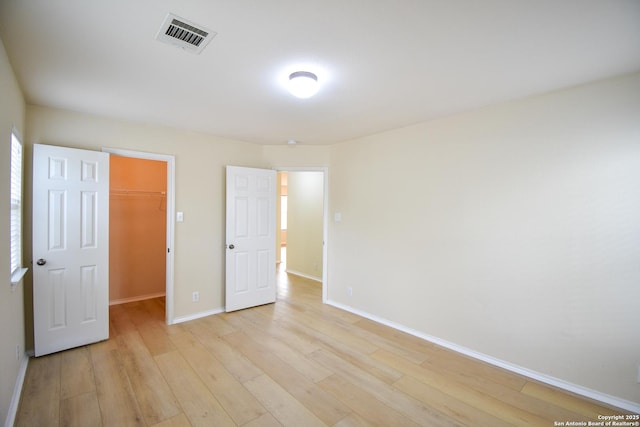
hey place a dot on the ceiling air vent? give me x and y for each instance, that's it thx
(185, 34)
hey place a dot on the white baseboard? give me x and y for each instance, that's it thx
(17, 392)
(306, 276)
(137, 298)
(195, 316)
(547, 379)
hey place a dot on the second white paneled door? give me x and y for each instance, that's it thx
(251, 237)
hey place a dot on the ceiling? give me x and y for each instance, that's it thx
(382, 64)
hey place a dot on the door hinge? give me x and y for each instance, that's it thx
(168, 250)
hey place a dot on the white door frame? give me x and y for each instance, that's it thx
(325, 217)
(170, 160)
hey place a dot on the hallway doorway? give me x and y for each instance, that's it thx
(301, 223)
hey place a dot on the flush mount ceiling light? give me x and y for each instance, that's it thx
(303, 84)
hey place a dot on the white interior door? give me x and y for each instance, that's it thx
(251, 237)
(70, 247)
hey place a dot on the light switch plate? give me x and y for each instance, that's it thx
(180, 216)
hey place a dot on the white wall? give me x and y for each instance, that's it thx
(12, 108)
(305, 213)
(513, 231)
(200, 188)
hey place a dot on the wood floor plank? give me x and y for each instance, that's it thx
(367, 407)
(452, 407)
(468, 395)
(177, 421)
(155, 338)
(138, 312)
(304, 296)
(401, 338)
(493, 382)
(330, 326)
(76, 373)
(282, 405)
(337, 332)
(198, 404)
(333, 312)
(118, 403)
(155, 397)
(461, 365)
(381, 371)
(563, 399)
(218, 325)
(280, 309)
(352, 420)
(277, 328)
(113, 331)
(120, 320)
(395, 341)
(380, 341)
(40, 403)
(155, 308)
(295, 359)
(266, 420)
(325, 406)
(81, 411)
(232, 359)
(241, 405)
(412, 408)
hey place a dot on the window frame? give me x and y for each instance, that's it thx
(16, 191)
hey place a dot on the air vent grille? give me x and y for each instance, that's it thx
(185, 34)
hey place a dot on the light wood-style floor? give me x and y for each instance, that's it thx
(293, 363)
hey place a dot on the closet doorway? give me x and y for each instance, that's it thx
(140, 228)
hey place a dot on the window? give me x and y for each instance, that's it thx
(16, 210)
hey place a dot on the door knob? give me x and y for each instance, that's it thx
(41, 261)
(231, 247)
